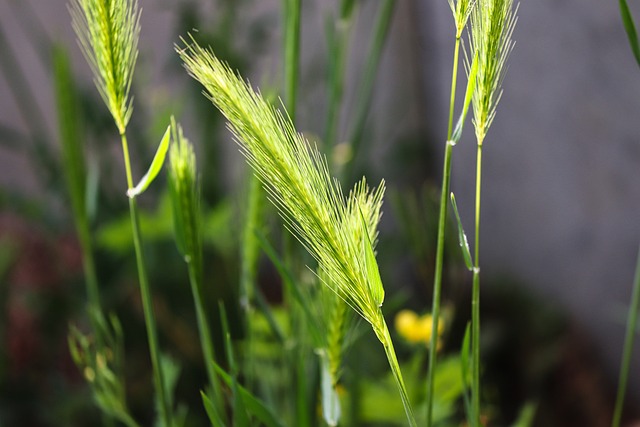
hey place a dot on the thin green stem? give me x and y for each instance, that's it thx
(475, 301)
(632, 321)
(145, 291)
(442, 222)
(382, 332)
(366, 84)
(454, 80)
(437, 281)
(208, 351)
(339, 43)
(88, 261)
(292, 54)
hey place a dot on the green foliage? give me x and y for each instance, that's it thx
(297, 179)
(154, 168)
(462, 236)
(70, 135)
(101, 367)
(630, 28)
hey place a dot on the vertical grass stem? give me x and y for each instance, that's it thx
(475, 300)
(145, 291)
(632, 321)
(442, 222)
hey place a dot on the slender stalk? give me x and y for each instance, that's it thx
(632, 321)
(454, 80)
(339, 43)
(437, 281)
(366, 84)
(387, 343)
(442, 222)
(195, 279)
(475, 300)
(291, 54)
(145, 291)
(291, 72)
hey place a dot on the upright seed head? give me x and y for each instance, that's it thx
(492, 24)
(461, 10)
(108, 31)
(185, 196)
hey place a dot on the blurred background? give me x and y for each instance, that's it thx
(560, 208)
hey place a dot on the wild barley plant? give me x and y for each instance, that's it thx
(298, 182)
(461, 11)
(184, 189)
(108, 32)
(492, 25)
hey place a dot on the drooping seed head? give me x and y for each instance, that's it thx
(297, 180)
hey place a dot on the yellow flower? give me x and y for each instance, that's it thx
(416, 329)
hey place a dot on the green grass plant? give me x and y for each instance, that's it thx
(311, 202)
(492, 24)
(108, 32)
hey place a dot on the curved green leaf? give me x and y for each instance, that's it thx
(471, 86)
(154, 169)
(630, 28)
(462, 237)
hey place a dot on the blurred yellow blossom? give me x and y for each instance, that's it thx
(416, 329)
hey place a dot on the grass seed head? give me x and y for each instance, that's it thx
(298, 182)
(492, 24)
(108, 31)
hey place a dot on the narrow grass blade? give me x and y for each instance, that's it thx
(70, 134)
(253, 404)
(154, 168)
(632, 321)
(240, 417)
(462, 237)
(464, 364)
(285, 275)
(630, 28)
(526, 416)
(212, 412)
(471, 87)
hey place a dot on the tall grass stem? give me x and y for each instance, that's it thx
(147, 301)
(632, 322)
(365, 90)
(475, 300)
(442, 222)
(292, 54)
(387, 343)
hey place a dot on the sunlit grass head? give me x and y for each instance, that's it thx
(298, 182)
(461, 10)
(108, 31)
(492, 24)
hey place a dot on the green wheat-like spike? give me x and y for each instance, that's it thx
(335, 337)
(108, 32)
(184, 189)
(461, 10)
(311, 202)
(296, 177)
(492, 25)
